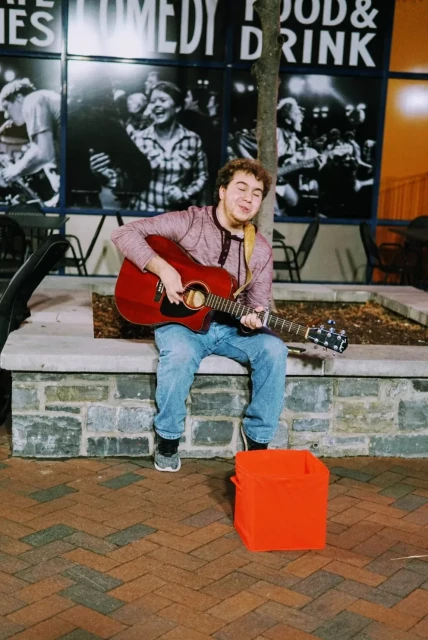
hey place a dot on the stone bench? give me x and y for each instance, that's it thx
(74, 395)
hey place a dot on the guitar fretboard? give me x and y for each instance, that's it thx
(238, 310)
(289, 168)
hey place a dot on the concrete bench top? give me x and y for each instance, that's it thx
(59, 335)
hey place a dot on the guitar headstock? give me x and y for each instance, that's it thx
(328, 338)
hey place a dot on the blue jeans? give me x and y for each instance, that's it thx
(180, 354)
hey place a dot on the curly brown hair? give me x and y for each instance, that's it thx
(247, 165)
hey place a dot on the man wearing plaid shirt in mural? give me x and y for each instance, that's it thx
(177, 159)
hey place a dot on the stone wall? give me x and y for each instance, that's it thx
(68, 415)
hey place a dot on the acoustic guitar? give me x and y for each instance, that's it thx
(141, 298)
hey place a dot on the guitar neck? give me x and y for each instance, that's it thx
(289, 168)
(238, 310)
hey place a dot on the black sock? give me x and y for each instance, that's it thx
(167, 447)
(254, 446)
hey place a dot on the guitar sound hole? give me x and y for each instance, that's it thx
(195, 295)
(194, 299)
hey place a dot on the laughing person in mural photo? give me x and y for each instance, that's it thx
(177, 159)
(40, 111)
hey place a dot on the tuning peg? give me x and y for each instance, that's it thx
(343, 332)
(331, 321)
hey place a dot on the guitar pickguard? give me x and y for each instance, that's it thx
(194, 299)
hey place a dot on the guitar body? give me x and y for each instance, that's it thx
(140, 295)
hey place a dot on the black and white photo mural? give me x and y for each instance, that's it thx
(326, 136)
(148, 130)
(30, 116)
(142, 137)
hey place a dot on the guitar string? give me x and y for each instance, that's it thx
(230, 306)
(236, 308)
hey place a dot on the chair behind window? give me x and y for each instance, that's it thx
(295, 259)
(34, 237)
(12, 247)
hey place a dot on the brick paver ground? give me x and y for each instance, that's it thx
(110, 548)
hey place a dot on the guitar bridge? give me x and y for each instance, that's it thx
(159, 290)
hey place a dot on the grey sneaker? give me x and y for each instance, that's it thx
(166, 455)
(250, 444)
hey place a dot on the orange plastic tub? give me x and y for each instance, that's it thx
(281, 500)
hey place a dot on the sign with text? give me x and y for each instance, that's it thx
(168, 29)
(33, 25)
(333, 33)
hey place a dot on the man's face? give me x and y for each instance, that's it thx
(13, 110)
(296, 117)
(151, 81)
(189, 102)
(136, 102)
(163, 107)
(241, 199)
(367, 151)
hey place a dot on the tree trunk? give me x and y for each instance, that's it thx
(266, 71)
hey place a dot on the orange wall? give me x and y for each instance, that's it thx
(404, 172)
(410, 37)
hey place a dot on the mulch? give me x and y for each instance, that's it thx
(365, 323)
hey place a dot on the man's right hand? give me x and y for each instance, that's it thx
(171, 280)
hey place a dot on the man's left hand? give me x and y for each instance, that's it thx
(252, 320)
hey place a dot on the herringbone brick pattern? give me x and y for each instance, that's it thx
(110, 548)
